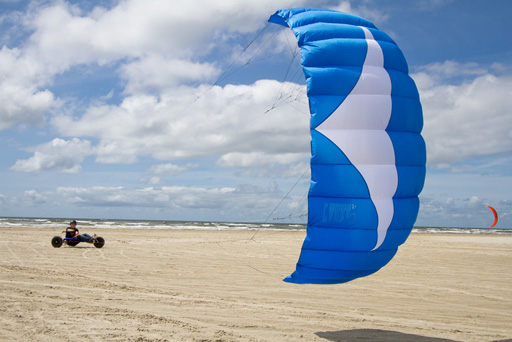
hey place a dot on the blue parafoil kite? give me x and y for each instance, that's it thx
(368, 157)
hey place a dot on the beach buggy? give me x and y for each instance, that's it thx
(73, 238)
(57, 241)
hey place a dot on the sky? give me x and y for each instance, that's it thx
(196, 110)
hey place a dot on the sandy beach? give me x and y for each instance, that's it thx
(196, 285)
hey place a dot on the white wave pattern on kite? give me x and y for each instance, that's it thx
(358, 126)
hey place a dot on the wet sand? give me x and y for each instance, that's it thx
(191, 285)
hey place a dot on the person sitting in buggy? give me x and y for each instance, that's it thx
(72, 232)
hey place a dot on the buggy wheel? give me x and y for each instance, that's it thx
(99, 242)
(56, 241)
(72, 243)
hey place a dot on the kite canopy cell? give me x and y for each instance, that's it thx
(368, 157)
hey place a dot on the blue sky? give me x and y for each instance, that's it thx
(112, 109)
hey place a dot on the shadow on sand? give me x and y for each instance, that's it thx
(375, 335)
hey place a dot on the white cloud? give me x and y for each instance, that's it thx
(466, 111)
(448, 72)
(160, 171)
(262, 164)
(63, 35)
(168, 197)
(370, 13)
(252, 159)
(160, 44)
(22, 101)
(153, 180)
(173, 126)
(167, 169)
(179, 202)
(35, 197)
(61, 154)
(153, 73)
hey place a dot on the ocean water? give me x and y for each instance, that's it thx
(58, 223)
(29, 222)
